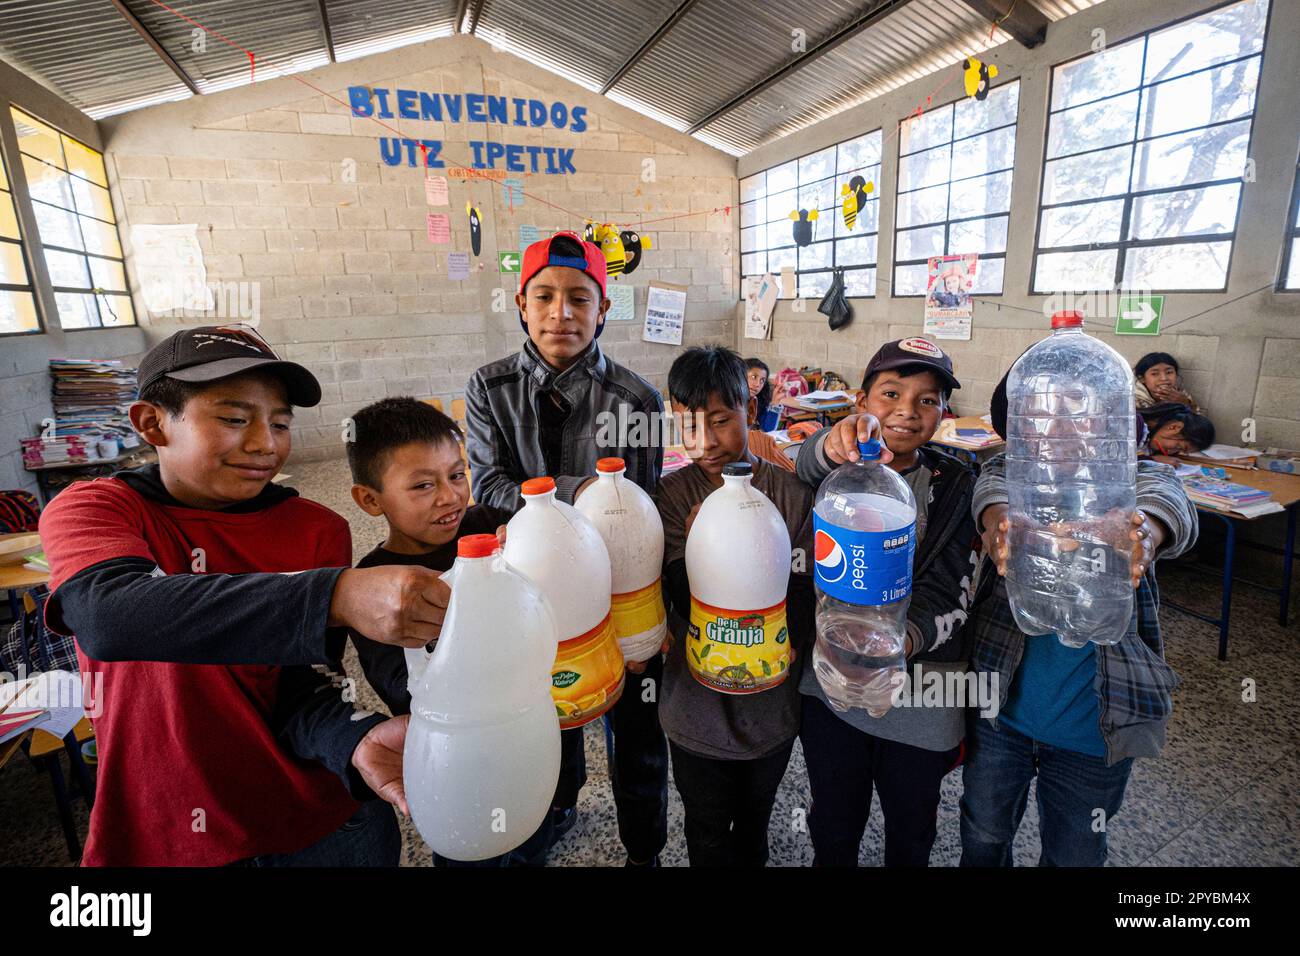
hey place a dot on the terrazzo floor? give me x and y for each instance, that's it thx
(1223, 793)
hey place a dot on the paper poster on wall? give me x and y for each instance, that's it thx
(948, 303)
(789, 286)
(458, 266)
(622, 304)
(665, 313)
(512, 192)
(169, 262)
(761, 294)
(527, 236)
(439, 228)
(435, 190)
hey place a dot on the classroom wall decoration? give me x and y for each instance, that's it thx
(475, 228)
(855, 193)
(612, 246)
(633, 245)
(976, 76)
(803, 225)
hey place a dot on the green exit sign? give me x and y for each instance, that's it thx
(1139, 314)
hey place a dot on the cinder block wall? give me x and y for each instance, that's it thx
(348, 281)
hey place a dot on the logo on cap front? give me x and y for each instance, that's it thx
(920, 346)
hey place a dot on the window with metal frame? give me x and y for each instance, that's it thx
(954, 188)
(1147, 146)
(17, 298)
(1289, 280)
(76, 227)
(815, 182)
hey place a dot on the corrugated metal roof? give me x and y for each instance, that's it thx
(714, 53)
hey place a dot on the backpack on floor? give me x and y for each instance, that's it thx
(19, 511)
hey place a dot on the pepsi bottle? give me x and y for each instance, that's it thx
(865, 532)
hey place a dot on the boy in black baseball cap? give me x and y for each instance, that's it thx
(202, 560)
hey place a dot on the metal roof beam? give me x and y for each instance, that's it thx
(475, 11)
(329, 35)
(649, 44)
(1019, 18)
(166, 57)
(876, 12)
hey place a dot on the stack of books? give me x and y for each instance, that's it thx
(59, 450)
(1226, 495)
(91, 401)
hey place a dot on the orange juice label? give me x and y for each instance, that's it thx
(738, 652)
(587, 678)
(638, 611)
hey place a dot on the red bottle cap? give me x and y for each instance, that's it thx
(477, 546)
(537, 486)
(1067, 320)
(611, 464)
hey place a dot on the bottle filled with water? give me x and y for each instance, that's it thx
(1071, 480)
(865, 535)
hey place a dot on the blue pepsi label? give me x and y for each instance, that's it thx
(863, 567)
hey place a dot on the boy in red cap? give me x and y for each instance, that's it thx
(554, 408)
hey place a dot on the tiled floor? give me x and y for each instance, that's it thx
(1223, 792)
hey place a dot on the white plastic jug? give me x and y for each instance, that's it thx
(629, 524)
(482, 754)
(738, 562)
(563, 554)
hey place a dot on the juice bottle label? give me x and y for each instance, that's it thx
(587, 678)
(637, 612)
(738, 652)
(863, 567)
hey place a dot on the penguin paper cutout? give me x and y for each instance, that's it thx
(633, 245)
(977, 76)
(475, 228)
(589, 231)
(803, 226)
(612, 246)
(855, 193)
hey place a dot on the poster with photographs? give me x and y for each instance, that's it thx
(665, 311)
(948, 303)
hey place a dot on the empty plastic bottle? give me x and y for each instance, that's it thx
(482, 754)
(864, 527)
(1071, 480)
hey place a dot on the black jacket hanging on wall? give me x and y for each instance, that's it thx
(835, 305)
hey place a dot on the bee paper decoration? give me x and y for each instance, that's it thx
(855, 193)
(475, 228)
(633, 245)
(612, 246)
(589, 231)
(977, 76)
(803, 226)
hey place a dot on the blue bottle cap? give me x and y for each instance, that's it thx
(869, 450)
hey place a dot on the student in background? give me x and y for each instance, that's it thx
(1075, 718)
(200, 592)
(729, 752)
(1158, 381)
(1174, 429)
(758, 378)
(553, 409)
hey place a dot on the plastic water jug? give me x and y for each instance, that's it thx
(738, 562)
(1071, 480)
(482, 754)
(563, 554)
(629, 524)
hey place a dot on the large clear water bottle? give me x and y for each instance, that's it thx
(1071, 479)
(865, 535)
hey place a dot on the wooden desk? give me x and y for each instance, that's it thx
(823, 412)
(1285, 490)
(946, 437)
(14, 578)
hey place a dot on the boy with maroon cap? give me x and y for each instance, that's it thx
(552, 409)
(202, 594)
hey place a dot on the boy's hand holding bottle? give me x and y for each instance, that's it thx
(393, 604)
(841, 445)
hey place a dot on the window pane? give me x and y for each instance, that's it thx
(777, 259)
(929, 129)
(1103, 74)
(1092, 126)
(116, 310)
(816, 256)
(12, 268)
(8, 217)
(37, 139)
(101, 237)
(997, 109)
(785, 176)
(753, 238)
(1188, 212)
(863, 151)
(910, 280)
(868, 220)
(815, 285)
(980, 196)
(817, 195)
(107, 274)
(920, 243)
(754, 264)
(67, 269)
(57, 227)
(860, 282)
(818, 165)
(1293, 266)
(855, 252)
(17, 312)
(925, 168)
(77, 311)
(84, 161)
(1224, 93)
(978, 235)
(92, 200)
(1075, 271)
(988, 281)
(1084, 223)
(1087, 177)
(752, 187)
(984, 153)
(780, 205)
(752, 212)
(1221, 35)
(1188, 265)
(923, 206)
(1187, 158)
(47, 184)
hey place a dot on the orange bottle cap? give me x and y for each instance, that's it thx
(477, 546)
(537, 486)
(611, 464)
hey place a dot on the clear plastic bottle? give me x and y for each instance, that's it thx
(865, 535)
(1071, 482)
